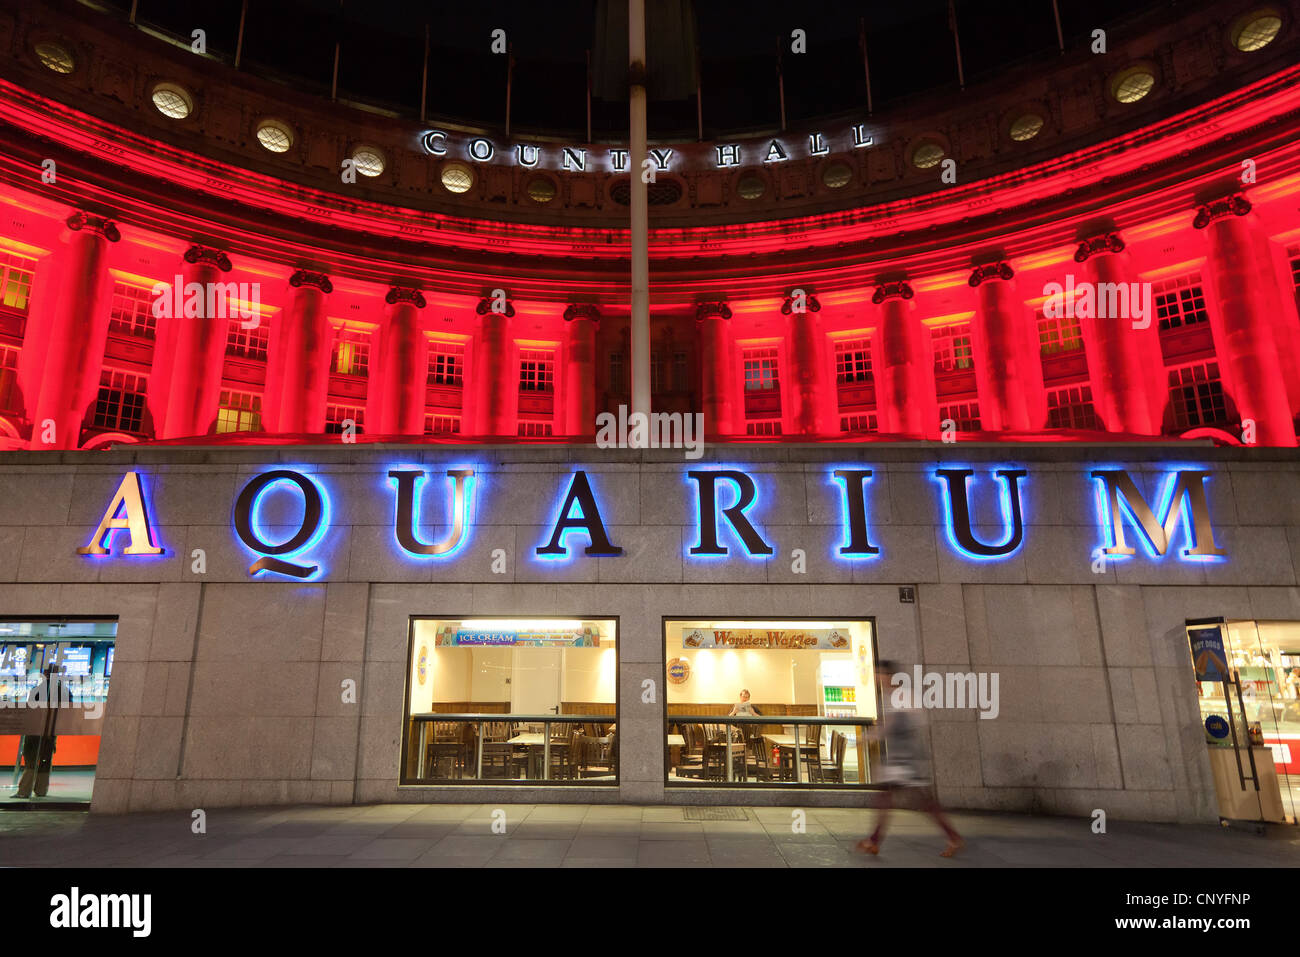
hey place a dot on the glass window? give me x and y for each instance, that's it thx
(248, 343)
(799, 695)
(853, 361)
(617, 380)
(58, 768)
(865, 422)
(534, 430)
(761, 372)
(763, 427)
(1072, 408)
(239, 412)
(1061, 334)
(952, 347)
(435, 424)
(1180, 302)
(446, 364)
(352, 353)
(119, 406)
(513, 700)
(132, 311)
(1196, 396)
(536, 370)
(16, 280)
(336, 417)
(965, 414)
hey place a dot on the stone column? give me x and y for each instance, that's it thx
(808, 392)
(903, 361)
(1244, 320)
(298, 361)
(1008, 371)
(580, 377)
(63, 353)
(189, 352)
(497, 385)
(1125, 365)
(717, 396)
(395, 398)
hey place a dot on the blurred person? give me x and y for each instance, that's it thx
(906, 774)
(52, 693)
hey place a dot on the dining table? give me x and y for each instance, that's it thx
(786, 742)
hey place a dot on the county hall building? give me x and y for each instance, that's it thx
(316, 484)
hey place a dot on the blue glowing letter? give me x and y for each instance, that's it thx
(315, 520)
(588, 518)
(1157, 528)
(958, 518)
(708, 513)
(405, 522)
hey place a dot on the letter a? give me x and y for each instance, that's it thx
(129, 498)
(588, 518)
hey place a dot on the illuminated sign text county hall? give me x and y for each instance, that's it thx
(722, 501)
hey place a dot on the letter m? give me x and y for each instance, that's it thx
(1183, 499)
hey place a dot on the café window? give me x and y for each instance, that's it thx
(512, 700)
(54, 677)
(772, 703)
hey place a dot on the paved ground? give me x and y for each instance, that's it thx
(422, 835)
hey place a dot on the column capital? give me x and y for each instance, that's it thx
(1234, 205)
(888, 290)
(582, 310)
(407, 295)
(317, 280)
(208, 256)
(1104, 243)
(97, 224)
(998, 270)
(712, 310)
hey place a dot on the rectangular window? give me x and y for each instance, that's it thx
(965, 414)
(763, 427)
(446, 364)
(680, 379)
(794, 675)
(534, 430)
(1196, 396)
(865, 422)
(132, 311)
(537, 370)
(120, 403)
(16, 274)
(952, 347)
(853, 361)
(352, 353)
(668, 372)
(248, 343)
(1294, 253)
(550, 685)
(80, 651)
(761, 373)
(1179, 302)
(1071, 408)
(441, 424)
(1061, 334)
(617, 373)
(239, 412)
(337, 415)
(9, 394)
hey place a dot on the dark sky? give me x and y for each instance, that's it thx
(909, 42)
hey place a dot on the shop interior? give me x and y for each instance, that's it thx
(551, 681)
(797, 673)
(50, 728)
(1266, 657)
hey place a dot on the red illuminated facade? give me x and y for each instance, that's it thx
(879, 308)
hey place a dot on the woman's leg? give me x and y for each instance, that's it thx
(872, 844)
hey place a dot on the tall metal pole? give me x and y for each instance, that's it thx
(510, 79)
(239, 43)
(424, 75)
(588, 140)
(636, 73)
(780, 81)
(956, 42)
(866, 65)
(1060, 38)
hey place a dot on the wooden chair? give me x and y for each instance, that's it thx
(761, 766)
(692, 762)
(499, 760)
(833, 773)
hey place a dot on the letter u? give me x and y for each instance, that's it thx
(957, 515)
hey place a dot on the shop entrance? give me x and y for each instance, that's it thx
(54, 676)
(1250, 697)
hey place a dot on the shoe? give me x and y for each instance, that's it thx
(868, 847)
(952, 848)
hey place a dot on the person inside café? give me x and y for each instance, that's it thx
(742, 707)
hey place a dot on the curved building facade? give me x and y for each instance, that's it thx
(999, 383)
